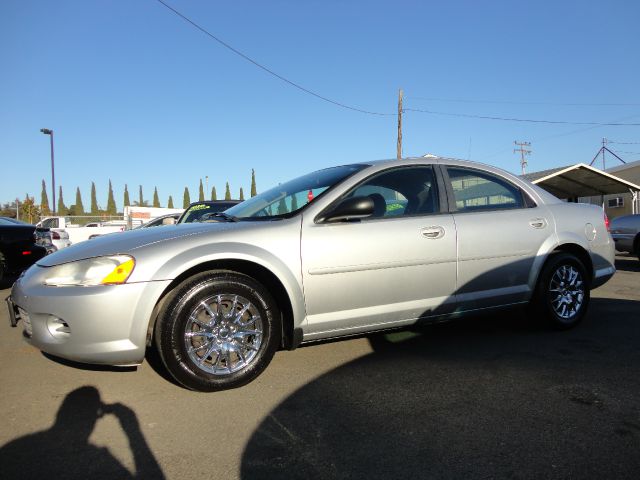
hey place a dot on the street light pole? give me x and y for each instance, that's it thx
(49, 132)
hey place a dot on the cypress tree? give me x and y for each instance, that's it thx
(62, 209)
(140, 199)
(44, 200)
(94, 200)
(201, 192)
(186, 199)
(254, 191)
(282, 207)
(170, 202)
(79, 207)
(156, 200)
(241, 194)
(227, 193)
(111, 203)
(294, 203)
(126, 202)
(214, 195)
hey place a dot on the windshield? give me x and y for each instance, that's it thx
(293, 195)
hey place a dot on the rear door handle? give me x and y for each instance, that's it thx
(432, 233)
(538, 222)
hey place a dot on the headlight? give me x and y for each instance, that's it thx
(112, 270)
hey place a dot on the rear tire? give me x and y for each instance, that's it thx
(218, 330)
(563, 292)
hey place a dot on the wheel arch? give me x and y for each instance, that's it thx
(575, 249)
(290, 337)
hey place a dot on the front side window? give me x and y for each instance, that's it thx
(474, 190)
(401, 192)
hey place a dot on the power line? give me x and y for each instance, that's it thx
(266, 69)
(508, 102)
(507, 119)
(628, 153)
(624, 143)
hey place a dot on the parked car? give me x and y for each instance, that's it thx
(163, 220)
(206, 211)
(21, 245)
(318, 257)
(625, 231)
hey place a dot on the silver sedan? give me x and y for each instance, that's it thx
(341, 251)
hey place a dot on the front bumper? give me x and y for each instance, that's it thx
(101, 325)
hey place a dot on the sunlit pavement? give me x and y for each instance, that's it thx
(489, 397)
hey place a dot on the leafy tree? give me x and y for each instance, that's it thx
(44, 200)
(62, 209)
(156, 200)
(8, 210)
(254, 191)
(78, 208)
(111, 203)
(201, 192)
(126, 202)
(29, 211)
(214, 195)
(170, 202)
(227, 193)
(241, 194)
(186, 198)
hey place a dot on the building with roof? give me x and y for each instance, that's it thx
(615, 189)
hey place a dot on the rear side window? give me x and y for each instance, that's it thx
(476, 191)
(50, 223)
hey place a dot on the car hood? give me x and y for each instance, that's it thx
(126, 242)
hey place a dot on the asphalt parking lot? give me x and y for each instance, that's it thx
(488, 397)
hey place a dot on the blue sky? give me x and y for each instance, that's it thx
(137, 95)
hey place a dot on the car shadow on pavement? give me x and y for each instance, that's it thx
(485, 397)
(64, 451)
(629, 263)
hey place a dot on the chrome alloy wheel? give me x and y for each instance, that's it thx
(223, 334)
(566, 292)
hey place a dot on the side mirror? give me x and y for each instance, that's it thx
(168, 221)
(352, 208)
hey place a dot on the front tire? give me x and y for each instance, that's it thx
(218, 330)
(563, 292)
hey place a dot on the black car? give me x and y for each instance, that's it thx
(205, 211)
(21, 245)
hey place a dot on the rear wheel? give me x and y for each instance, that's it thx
(219, 330)
(562, 294)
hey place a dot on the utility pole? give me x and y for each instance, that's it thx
(602, 150)
(399, 152)
(523, 151)
(49, 132)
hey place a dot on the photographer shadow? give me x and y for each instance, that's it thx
(64, 451)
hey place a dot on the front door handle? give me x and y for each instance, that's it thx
(432, 233)
(538, 222)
